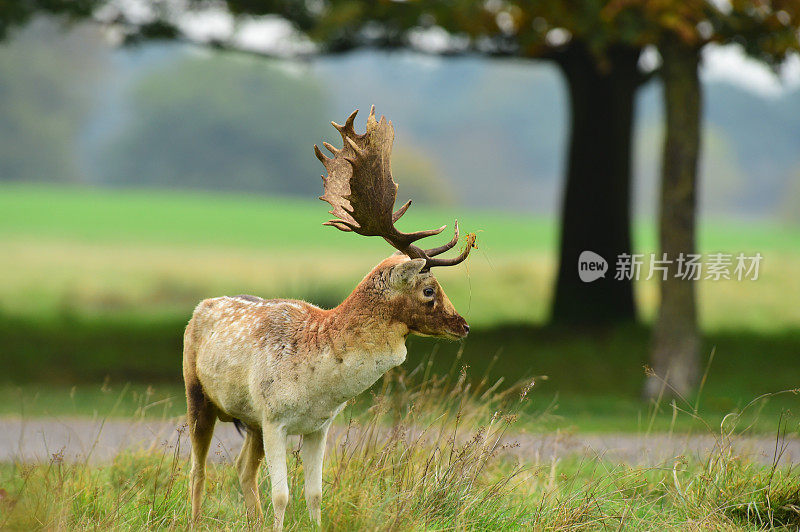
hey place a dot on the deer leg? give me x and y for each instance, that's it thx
(313, 452)
(247, 465)
(274, 437)
(202, 416)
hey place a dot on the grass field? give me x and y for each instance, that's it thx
(85, 252)
(96, 286)
(456, 474)
(394, 492)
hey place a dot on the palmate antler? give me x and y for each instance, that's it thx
(361, 191)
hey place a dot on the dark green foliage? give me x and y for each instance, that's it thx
(14, 13)
(592, 378)
(221, 124)
(45, 96)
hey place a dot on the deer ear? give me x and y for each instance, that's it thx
(404, 273)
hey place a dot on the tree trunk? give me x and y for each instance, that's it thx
(596, 203)
(674, 354)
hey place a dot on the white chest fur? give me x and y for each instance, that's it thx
(361, 369)
(326, 384)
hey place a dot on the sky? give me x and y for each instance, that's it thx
(730, 64)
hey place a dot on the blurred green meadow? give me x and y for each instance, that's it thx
(97, 286)
(86, 252)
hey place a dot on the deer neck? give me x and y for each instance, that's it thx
(356, 345)
(365, 325)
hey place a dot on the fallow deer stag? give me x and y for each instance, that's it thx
(280, 367)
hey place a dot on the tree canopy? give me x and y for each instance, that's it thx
(767, 29)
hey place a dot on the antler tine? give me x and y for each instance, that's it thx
(331, 148)
(401, 211)
(430, 263)
(347, 130)
(417, 235)
(350, 121)
(446, 247)
(321, 156)
(341, 225)
(358, 151)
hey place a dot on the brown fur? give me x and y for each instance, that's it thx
(287, 367)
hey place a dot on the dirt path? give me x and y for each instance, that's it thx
(76, 439)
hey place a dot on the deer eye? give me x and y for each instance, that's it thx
(428, 292)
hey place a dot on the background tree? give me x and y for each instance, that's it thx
(16, 14)
(768, 31)
(44, 101)
(258, 120)
(676, 342)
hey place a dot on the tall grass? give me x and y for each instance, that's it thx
(423, 452)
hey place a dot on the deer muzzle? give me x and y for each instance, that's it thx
(460, 328)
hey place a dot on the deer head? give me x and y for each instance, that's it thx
(362, 193)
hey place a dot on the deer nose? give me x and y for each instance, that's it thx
(466, 328)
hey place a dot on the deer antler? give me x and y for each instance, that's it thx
(360, 188)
